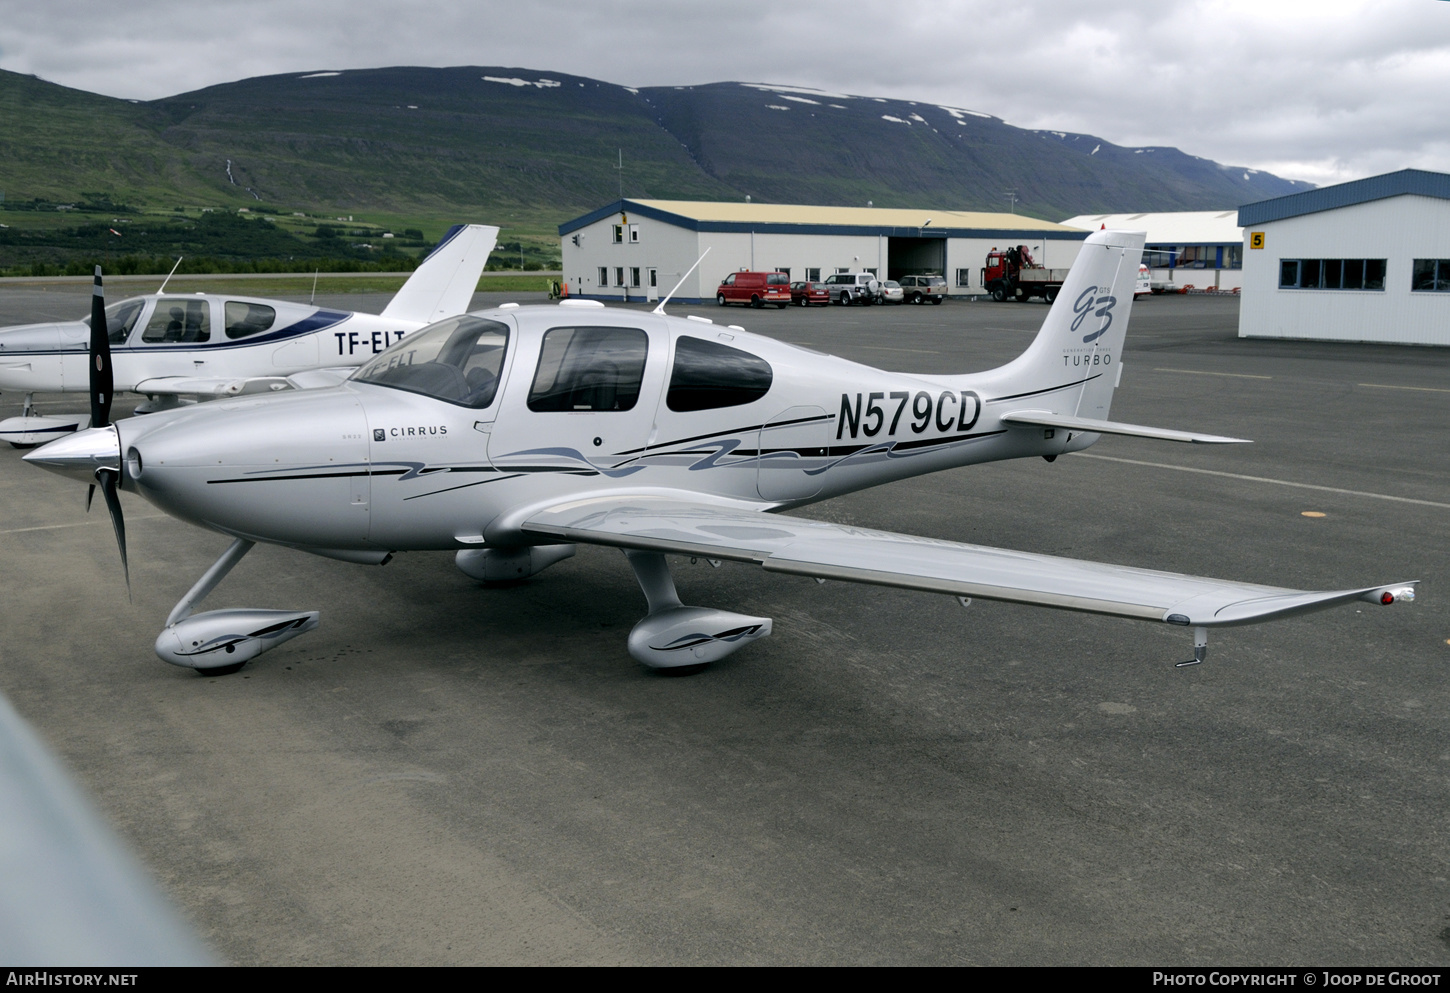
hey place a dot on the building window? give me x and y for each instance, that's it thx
(813, 275)
(634, 275)
(964, 277)
(871, 270)
(619, 234)
(634, 234)
(840, 269)
(619, 275)
(784, 269)
(1331, 274)
(1431, 275)
(603, 276)
(653, 276)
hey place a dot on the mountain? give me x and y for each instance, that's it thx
(511, 142)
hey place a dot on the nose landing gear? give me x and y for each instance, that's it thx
(219, 642)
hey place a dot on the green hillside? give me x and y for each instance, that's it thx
(418, 149)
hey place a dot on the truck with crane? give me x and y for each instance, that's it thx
(1012, 274)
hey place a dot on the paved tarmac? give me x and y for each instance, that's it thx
(447, 773)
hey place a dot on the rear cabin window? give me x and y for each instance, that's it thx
(708, 375)
(458, 360)
(244, 319)
(589, 369)
(179, 319)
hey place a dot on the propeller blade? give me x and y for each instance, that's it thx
(110, 480)
(102, 381)
(90, 495)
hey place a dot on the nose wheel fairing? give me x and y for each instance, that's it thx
(226, 639)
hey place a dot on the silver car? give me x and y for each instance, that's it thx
(853, 287)
(891, 292)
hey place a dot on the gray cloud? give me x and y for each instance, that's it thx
(1314, 91)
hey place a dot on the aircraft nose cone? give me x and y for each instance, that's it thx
(79, 455)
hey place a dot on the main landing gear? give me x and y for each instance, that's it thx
(678, 639)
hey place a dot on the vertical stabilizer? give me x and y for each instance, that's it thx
(444, 282)
(1080, 345)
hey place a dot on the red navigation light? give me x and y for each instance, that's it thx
(1387, 598)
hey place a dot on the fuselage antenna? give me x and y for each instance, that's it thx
(171, 273)
(661, 308)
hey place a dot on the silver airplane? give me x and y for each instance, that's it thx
(510, 435)
(169, 346)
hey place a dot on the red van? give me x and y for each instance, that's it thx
(754, 288)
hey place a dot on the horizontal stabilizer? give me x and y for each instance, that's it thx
(1047, 419)
(824, 550)
(444, 282)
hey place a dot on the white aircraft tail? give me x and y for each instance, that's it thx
(1072, 365)
(444, 282)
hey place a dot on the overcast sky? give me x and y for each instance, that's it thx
(1310, 90)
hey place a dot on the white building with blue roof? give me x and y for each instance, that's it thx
(1367, 261)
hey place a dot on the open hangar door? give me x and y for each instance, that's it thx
(905, 256)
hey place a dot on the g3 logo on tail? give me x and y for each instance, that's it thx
(1083, 306)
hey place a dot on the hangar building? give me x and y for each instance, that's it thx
(1367, 260)
(639, 249)
(1194, 248)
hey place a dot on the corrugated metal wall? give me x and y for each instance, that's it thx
(1399, 230)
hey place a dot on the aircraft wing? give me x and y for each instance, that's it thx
(219, 386)
(823, 550)
(444, 282)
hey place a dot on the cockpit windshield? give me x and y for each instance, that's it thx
(120, 319)
(458, 360)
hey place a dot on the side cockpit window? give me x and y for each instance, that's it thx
(179, 319)
(246, 319)
(708, 375)
(594, 369)
(458, 360)
(120, 319)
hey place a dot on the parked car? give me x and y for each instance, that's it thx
(891, 292)
(853, 287)
(807, 293)
(920, 289)
(754, 288)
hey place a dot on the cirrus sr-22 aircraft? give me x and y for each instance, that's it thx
(510, 435)
(209, 345)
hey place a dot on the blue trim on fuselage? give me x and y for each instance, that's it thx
(319, 321)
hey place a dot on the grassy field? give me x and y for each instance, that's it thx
(46, 242)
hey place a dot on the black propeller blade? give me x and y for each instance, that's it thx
(110, 485)
(102, 383)
(101, 379)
